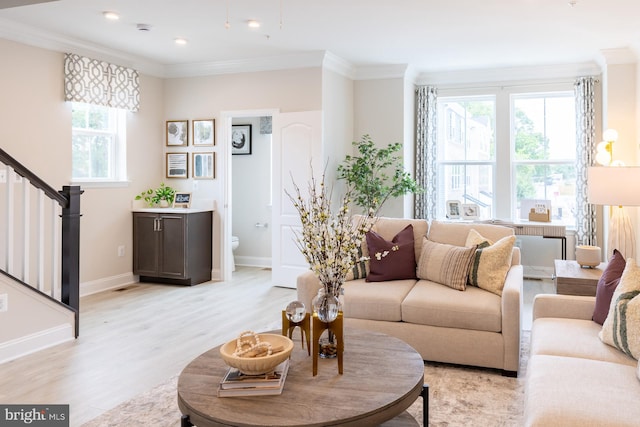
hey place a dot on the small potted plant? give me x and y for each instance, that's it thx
(162, 196)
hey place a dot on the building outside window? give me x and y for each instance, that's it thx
(98, 143)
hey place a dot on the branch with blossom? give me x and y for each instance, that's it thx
(330, 242)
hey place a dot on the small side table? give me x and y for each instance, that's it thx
(571, 279)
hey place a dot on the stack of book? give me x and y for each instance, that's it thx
(235, 383)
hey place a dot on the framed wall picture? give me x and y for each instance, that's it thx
(204, 132)
(177, 165)
(470, 211)
(241, 139)
(177, 133)
(203, 165)
(182, 200)
(453, 209)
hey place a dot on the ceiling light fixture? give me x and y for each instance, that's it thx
(143, 27)
(181, 41)
(111, 16)
(252, 23)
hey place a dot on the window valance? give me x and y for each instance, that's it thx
(100, 83)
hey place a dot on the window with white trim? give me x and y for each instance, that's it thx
(506, 148)
(98, 143)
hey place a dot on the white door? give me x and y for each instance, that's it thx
(297, 147)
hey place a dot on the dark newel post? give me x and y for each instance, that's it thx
(71, 250)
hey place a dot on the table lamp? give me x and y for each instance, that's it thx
(616, 186)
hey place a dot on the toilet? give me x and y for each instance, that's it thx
(234, 244)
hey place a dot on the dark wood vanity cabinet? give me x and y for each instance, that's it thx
(172, 248)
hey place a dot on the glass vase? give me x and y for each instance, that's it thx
(326, 306)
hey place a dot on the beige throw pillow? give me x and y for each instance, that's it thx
(491, 261)
(621, 328)
(445, 264)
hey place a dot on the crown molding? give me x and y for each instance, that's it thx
(623, 55)
(47, 40)
(496, 75)
(341, 66)
(374, 72)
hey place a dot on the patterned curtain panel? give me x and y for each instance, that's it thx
(425, 206)
(584, 88)
(100, 83)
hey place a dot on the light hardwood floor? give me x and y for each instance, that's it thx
(135, 338)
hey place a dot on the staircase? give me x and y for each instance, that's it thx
(39, 261)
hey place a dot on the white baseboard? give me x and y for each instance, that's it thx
(28, 344)
(107, 283)
(253, 261)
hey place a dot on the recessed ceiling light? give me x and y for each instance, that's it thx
(252, 23)
(180, 41)
(112, 16)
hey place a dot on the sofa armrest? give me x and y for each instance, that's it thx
(511, 305)
(563, 306)
(307, 285)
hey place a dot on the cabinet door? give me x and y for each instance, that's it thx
(172, 248)
(145, 244)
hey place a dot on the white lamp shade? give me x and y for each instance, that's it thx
(614, 186)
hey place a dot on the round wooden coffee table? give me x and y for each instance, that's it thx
(382, 377)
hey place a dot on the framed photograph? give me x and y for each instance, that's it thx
(177, 165)
(470, 211)
(203, 165)
(453, 209)
(241, 139)
(177, 133)
(204, 132)
(182, 200)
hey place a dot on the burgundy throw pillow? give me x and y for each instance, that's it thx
(607, 285)
(394, 260)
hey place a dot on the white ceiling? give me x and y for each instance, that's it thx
(427, 35)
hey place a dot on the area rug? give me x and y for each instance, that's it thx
(458, 396)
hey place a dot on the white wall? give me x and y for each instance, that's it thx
(380, 113)
(199, 97)
(251, 192)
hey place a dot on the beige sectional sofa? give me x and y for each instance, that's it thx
(470, 327)
(573, 378)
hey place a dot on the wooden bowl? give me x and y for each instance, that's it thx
(257, 365)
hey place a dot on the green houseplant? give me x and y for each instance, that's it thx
(163, 196)
(376, 175)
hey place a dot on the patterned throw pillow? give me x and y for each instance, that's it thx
(621, 328)
(607, 285)
(491, 261)
(360, 268)
(445, 264)
(394, 260)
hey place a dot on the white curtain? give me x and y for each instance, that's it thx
(584, 89)
(97, 82)
(425, 206)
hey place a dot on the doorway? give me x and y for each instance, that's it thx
(248, 188)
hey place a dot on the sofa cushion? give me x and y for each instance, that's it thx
(389, 227)
(570, 392)
(375, 300)
(621, 328)
(607, 285)
(491, 261)
(430, 303)
(391, 260)
(445, 264)
(573, 338)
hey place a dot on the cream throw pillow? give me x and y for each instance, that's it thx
(621, 328)
(445, 264)
(491, 261)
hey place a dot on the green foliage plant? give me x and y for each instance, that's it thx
(153, 196)
(375, 175)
